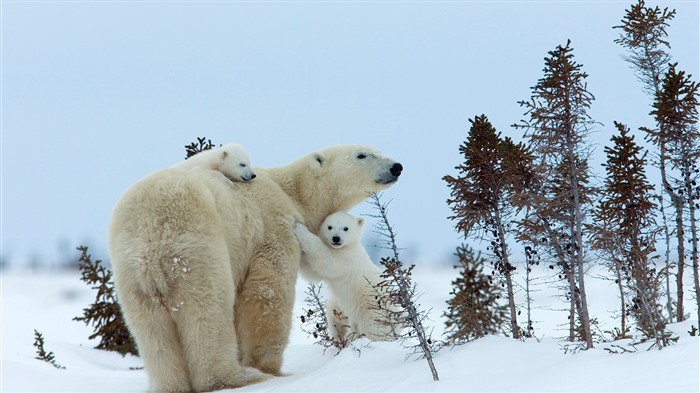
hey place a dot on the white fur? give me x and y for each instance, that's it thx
(205, 271)
(232, 160)
(337, 257)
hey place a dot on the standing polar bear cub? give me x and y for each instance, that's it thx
(205, 271)
(337, 257)
(232, 160)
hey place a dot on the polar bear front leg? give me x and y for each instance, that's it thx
(317, 257)
(263, 313)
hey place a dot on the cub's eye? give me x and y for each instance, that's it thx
(330, 228)
(361, 156)
(243, 165)
(345, 229)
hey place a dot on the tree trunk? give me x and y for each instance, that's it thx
(693, 230)
(528, 300)
(509, 279)
(678, 204)
(667, 236)
(656, 84)
(623, 304)
(570, 279)
(578, 246)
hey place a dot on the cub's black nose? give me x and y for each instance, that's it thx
(396, 169)
(336, 239)
(252, 177)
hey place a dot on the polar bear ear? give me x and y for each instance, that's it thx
(318, 160)
(361, 221)
(224, 154)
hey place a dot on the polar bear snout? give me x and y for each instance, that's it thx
(248, 176)
(392, 173)
(396, 169)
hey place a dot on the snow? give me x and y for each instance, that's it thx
(47, 302)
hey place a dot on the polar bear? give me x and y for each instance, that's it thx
(232, 160)
(205, 270)
(337, 257)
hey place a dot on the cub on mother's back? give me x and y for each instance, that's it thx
(232, 160)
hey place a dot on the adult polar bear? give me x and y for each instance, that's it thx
(205, 270)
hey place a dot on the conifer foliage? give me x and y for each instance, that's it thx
(196, 147)
(559, 196)
(643, 34)
(104, 314)
(401, 311)
(41, 353)
(314, 321)
(474, 309)
(676, 112)
(626, 232)
(493, 168)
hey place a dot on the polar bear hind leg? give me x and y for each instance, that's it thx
(162, 354)
(204, 319)
(264, 310)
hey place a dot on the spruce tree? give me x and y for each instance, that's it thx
(474, 308)
(676, 112)
(481, 196)
(644, 36)
(104, 314)
(625, 230)
(557, 126)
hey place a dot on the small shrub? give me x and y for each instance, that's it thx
(315, 321)
(474, 309)
(104, 314)
(198, 147)
(41, 353)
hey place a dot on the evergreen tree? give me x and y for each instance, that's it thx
(643, 34)
(676, 112)
(557, 126)
(473, 309)
(400, 309)
(104, 314)
(481, 195)
(625, 230)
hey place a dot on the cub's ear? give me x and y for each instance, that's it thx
(361, 221)
(318, 160)
(224, 154)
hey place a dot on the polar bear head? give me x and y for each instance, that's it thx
(349, 173)
(233, 161)
(340, 229)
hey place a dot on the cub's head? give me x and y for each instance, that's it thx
(340, 229)
(234, 162)
(349, 173)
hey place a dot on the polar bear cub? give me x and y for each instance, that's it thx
(232, 160)
(337, 257)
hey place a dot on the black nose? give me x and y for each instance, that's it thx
(252, 176)
(396, 169)
(336, 239)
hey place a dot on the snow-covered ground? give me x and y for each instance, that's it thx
(47, 302)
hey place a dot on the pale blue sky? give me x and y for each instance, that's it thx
(96, 95)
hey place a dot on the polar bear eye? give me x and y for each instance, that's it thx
(330, 228)
(361, 156)
(345, 229)
(243, 165)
